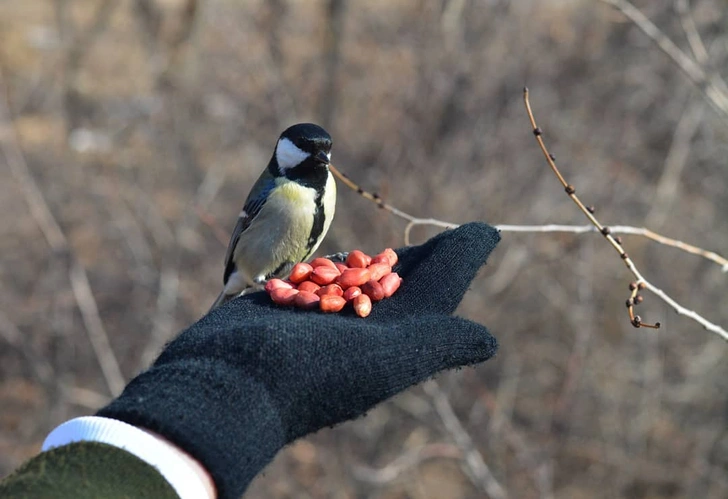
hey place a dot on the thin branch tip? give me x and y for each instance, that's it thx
(641, 282)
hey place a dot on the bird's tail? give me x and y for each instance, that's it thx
(222, 298)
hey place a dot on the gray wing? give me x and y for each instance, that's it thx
(255, 201)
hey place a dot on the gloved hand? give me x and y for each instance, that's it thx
(251, 377)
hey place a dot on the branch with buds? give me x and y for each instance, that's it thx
(609, 233)
(616, 242)
(641, 283)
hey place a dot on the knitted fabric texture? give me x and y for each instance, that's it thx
(251, 377)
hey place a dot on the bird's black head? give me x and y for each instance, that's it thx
(303, 145)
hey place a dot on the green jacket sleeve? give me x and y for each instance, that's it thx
(86, 470)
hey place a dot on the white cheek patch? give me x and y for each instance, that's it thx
(289, 155)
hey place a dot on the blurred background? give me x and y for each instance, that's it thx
(131, 132)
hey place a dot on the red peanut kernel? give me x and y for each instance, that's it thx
(352, 293)
(379, 270)
(329, 285)
(373, 290)
(380, 259)
(284, 296)
(324, 275)
(277, 283)
(306, 300)
(309, 286)
(390, 283)
(322, 262)
(300, 272)
(358, 259)
(331, 303)
(330, 289)
(362, 305)
(353, 277)
(391, 255)
(387, 256)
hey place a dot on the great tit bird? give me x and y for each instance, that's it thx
(287, 213)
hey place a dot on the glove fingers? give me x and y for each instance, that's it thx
(437, 273)
(437, 342)
(339, 374)
(390, 361)
(322, 370)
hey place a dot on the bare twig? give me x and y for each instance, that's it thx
(375, 198)
(405, 462)
(84, 397)
(675, 161)
(148, 212)
(641, 282)
(19, 169)
(75, 56)
(9, 144)
(165, 47)
(589, 213)
(132, 232)
(583, 327)
(16, 339)
(691, 31)
(712, 86)
(169, 276)
(268, 71)
(95, 329)
(479, 472)
(575, 229)
(206, 218)
(625, 230)
(84, 42)
(501, 425)
(163, 320)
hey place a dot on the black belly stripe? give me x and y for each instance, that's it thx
(314, 175)
(319, 216)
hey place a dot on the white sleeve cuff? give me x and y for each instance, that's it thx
(163, 456)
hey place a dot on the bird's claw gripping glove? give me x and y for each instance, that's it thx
(251, 377)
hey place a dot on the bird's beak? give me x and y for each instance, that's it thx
(322, 158)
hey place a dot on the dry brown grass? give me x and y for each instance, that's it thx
(425, 107)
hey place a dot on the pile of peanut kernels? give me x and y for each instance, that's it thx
(329, 286)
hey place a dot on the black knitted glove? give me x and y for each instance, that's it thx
(251, 377)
